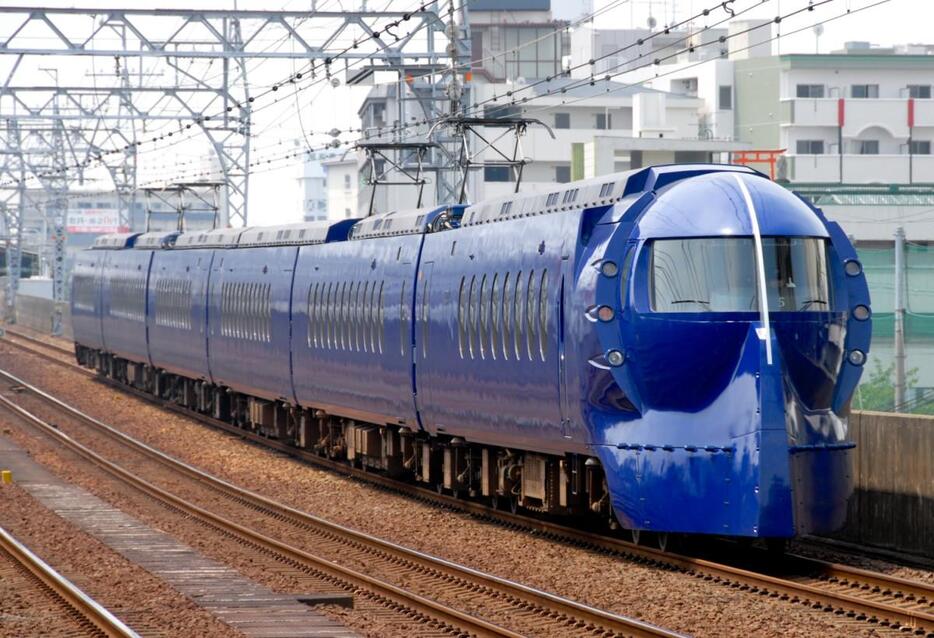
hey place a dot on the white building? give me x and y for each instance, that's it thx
(313, 186)
(342, 186)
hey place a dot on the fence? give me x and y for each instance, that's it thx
(878, 380)
(893, 506)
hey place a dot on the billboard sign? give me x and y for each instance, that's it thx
(98, 221)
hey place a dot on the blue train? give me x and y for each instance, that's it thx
(672, 348)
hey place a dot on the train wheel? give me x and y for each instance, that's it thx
(663, 541)
(513, 504)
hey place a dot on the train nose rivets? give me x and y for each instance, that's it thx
(857, 357)
(609, 269)
(853, 267)
(605, 313)
(861, 313)
(615, 358)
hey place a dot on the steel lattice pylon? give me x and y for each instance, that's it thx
(105, 121)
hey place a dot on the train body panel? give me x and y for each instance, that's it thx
(351, 341)
(124, 281)
(86, 299)
(177, 302)
(248, 320)
(488, 326)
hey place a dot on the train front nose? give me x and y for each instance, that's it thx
(734, 342)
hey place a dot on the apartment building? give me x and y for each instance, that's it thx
(844, 118)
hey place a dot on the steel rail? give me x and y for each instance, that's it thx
(563, 611)
(82, 604)
(859, 580)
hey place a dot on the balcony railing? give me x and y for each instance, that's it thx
(860, 169)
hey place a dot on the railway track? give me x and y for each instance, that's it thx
(863, 595)
(530, 611)
(88, 616)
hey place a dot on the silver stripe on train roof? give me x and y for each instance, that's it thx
(397, 222)
(114, 241)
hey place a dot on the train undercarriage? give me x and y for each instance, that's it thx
(569, 485)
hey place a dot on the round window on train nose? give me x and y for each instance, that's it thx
(853, 267)
(861, 312)
(605, 313)
(609, 269)
(857, 357)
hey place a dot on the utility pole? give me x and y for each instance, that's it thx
(899, 318)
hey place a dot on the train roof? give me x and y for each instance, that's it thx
(216, 238)
(156, 240)
(397, 222)
(305, 233)
(589, 193)
(115, 241)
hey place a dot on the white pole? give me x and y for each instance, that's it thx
(899, 318)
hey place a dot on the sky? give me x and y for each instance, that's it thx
(275, 194)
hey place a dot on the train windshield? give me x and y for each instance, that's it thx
(718, 274)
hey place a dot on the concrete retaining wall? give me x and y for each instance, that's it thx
(893, 506)
(36, 313)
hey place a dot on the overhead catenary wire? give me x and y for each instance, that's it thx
(269, 160)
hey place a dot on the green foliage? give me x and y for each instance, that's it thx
(878, 391)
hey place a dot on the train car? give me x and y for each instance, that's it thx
(177, 303)
(671, 349)
(86, 296)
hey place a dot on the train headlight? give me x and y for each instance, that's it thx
(609, 269)
(605, 313)
(861, 312)
(615, 358)
(853, 267)
(857, 357)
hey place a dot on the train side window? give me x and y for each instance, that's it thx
(309, 310)
(374, 316)
(484, 321)
(461, 317)
(507, 322)
(362, 287)
(543, 306)
(495, 313)
(327, 316)
(472, 317)
(517, 316)
(531, 316)
(366, 324)
(351, 319)
(403, 328)
(382, 317)
(425, 308)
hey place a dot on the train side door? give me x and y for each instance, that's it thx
(421, 340)
(564, 288)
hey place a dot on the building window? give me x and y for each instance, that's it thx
(500, 112)
(563, 120)
(864, 91)
(920, 147)
(810, 147)
(867, 147)
(347, 181)
(604, 121)
(562, 174)
(810, 90)
(725, 98)
(497, 174)
(919, 91)
(347, 212)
